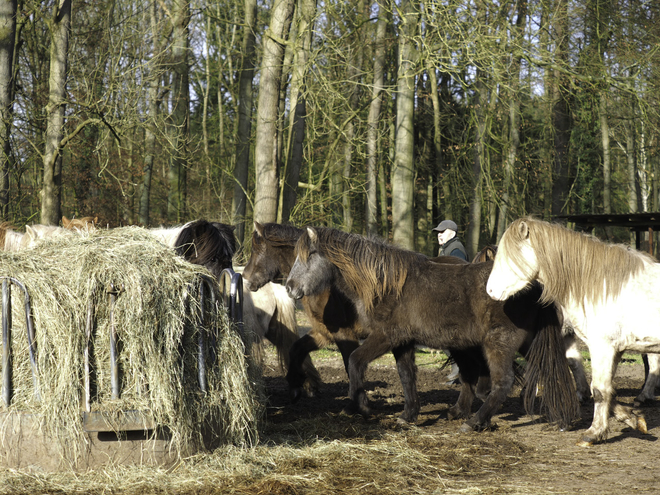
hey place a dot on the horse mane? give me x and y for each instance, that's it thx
(486, 254)
(279, 235)
(370, 267)
(574, 265)
(201, 241)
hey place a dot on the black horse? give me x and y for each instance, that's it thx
(403, 298)
(210, 244)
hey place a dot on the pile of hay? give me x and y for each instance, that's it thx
(157, 320)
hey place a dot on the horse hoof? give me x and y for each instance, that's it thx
(465, 428)
(584, 443)
(641, 425)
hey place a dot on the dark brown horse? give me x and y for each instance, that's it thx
(333, 317)
(403, 298)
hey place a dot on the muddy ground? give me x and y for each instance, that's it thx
(520, 455)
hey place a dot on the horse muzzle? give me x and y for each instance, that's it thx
(295, 292)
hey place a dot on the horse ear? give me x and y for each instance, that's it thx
(523, 230)
(259, 228)
(313, 236)
(65, 221)
(30, 232)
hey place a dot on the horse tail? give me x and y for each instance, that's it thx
(282, 332)
(548, 372)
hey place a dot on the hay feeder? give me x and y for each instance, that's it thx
(128, 357)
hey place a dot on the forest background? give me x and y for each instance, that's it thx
(376, 117)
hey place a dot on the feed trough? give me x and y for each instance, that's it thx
(117, 351)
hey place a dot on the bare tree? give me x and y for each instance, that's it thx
(403, 175)
(306, 12)
(7, 45)
(60, 26)
(245, 100)
(371, 204)
(177, 196)
(265, 201)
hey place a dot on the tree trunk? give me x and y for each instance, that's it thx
(265, 201)
(403, 175)
(245, 99)
(177, 195)
(605, 140)
(7, 44)
(299, 106)
(150, 131)
(514, 120)
(371, 204)
(561, 118)
(631, 162)
(52, 184)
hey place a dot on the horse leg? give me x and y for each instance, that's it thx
(405, 365)
(346, 347)
(574, 358)
(469, 370)
(652, 367)
(374, 346)
(604, 360)
(298, 375)
(501, 377)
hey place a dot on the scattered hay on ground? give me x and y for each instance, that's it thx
(392, 463)
(157, 319)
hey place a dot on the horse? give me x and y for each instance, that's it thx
(404, 299)
(332, 317)
(610, 293)
(271, 314)
(10, 240)
(210, 244)
(83, 224)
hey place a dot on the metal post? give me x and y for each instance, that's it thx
(88, 343)
(114, 365)
(6, 344)
(201, 363)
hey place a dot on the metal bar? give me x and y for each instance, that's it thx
(213, 332)
(32, 343)
(236, 295)
(6, 344)
(114, 365)
(88, 343)
(201, 362)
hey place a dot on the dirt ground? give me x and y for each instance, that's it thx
(523, 455)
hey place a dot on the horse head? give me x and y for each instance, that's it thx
(516, 264)
(210, 244)
(312, 272)
(272, 253)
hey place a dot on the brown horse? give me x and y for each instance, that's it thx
(333, 318)
(404, 299)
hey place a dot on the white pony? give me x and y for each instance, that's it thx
(610, 293)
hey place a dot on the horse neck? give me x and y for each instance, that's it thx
(13, 240)
(167, 236)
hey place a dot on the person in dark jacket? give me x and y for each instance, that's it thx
(450, 244)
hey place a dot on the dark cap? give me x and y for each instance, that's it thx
(444, 225)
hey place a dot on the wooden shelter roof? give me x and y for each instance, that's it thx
(637, 222)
